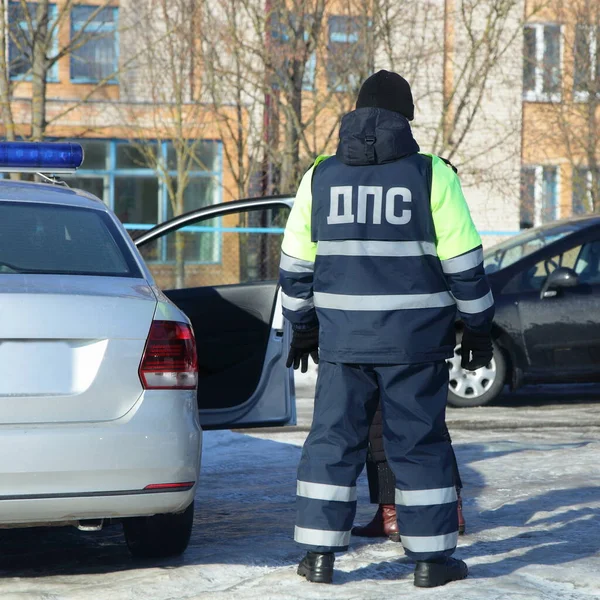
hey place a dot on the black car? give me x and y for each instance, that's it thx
(546, 284)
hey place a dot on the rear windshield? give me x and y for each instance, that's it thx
(51, 239)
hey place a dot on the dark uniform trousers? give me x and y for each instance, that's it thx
(381, 478)
(413, 402)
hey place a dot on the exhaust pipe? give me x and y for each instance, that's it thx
(90, 524)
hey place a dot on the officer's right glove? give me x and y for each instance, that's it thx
(305, 342)
(476, 350)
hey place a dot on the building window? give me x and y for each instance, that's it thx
(539, 195)
(23, 29)
(542, 63)
(117, 172)
(586, 76)
(282, 32)
(583, 190)
(93, 32)
(345, 52)
(310, 73)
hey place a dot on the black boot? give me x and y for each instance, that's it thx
(439, 572)
(317, 566)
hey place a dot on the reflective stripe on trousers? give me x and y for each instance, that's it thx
(413, 399)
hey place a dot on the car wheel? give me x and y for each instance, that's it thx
(159, 536)
(475, 388)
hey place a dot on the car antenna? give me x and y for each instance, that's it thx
(53, 179)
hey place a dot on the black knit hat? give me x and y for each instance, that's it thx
(387, 90)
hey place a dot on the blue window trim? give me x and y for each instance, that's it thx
(202, 228)
(52, 75)
(111, 172)
(97, 28)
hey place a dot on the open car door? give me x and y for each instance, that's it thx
(220, 264)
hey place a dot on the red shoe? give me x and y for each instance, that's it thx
(461, 518)
(383, 524)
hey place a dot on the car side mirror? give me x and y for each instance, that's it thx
(562, 277)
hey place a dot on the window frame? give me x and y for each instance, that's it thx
(538, 94)
(110, 27)
(52, 74)
(538, 207)
(593, 55)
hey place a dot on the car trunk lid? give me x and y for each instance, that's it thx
(70, 346)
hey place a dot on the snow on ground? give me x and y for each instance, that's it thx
(532, 501)
(558, 405)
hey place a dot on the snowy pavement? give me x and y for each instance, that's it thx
(532, 503)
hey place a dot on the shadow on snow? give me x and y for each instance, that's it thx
(245, 510)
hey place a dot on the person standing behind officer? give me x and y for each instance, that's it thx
(382, 487)
(379, 254)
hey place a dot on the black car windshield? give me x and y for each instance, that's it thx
(506, 253)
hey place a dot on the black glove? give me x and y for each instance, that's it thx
(476, 350)
(305, 342)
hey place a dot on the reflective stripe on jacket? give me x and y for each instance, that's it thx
(381, 250)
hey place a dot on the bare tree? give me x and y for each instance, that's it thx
(5, 83)
(463, 48)
(300, 64)
(235, 89)
(31, 30)
(167, 77)
(258, 55)
(275, 62)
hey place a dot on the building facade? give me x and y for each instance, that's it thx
(162, 91)
(561, 111)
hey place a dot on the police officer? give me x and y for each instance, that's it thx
(379, 255)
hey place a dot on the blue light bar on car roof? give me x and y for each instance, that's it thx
(40, 157)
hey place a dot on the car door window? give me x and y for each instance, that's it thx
(587, 265)
(583, 259)
(533, 278)
(239, 248)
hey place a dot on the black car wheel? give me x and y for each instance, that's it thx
(475, 388)
(159, 536)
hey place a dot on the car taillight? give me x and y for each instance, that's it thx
(170, 361)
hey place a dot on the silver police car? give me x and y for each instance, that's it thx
(98, 408)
